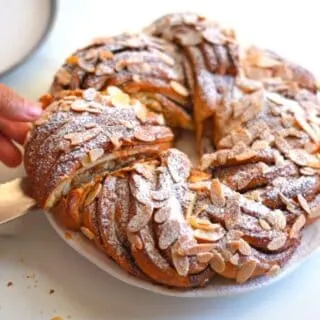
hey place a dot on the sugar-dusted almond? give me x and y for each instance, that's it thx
(217, 262)
(179, 88)
(246, 271)
(95, 154)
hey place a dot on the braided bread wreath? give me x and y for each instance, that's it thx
(100, 157)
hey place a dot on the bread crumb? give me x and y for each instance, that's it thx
(51, 291)
(10, 284)
(68, 235)
(31, 275)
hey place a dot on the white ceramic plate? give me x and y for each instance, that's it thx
(23, 26)
(219, 286)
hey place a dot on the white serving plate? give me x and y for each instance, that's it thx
(220, 287)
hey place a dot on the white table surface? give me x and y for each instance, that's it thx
(36, 260)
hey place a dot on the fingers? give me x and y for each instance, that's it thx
(10, 155)
(14, 130)
(15, 108)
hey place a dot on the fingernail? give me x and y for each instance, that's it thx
(34, 111)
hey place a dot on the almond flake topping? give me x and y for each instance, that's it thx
(179, 88)
(87, 232)
(95, 154)
(217, 263)
(77, 138)
(304, 204)
(246, 271)
(277, 242)
(274, 270)
(93, 194)
(297, 226)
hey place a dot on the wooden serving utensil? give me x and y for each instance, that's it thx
(15, 199)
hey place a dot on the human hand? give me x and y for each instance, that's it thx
(15, 113)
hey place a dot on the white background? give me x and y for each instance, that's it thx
(36, 260)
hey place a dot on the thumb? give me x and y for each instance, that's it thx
(16, 108)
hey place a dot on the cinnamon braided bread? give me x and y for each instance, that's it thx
(101, 159)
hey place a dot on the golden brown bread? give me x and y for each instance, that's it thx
(102, 163)
(146, 67)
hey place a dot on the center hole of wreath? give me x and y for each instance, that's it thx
(186, 142)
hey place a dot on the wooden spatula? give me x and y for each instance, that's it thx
(15, 199)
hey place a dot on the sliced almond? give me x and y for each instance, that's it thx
(246, 155)
(277, 242)
(135, 241)
(279, 159)
(179, 88)
(162, 214)
(282, 144)
(307, 128)
(166, 58)
(85, 161)
(304, 159)
(297, 226)
(141, 111)
(105, 55)
(93, 194)
(136, 78)
(197, 175)
(77, 138)
(287, 201)
(95, 154)
(87, 232)
(260, 145)
(90, 125)
(141, 219)
(204, 257)
(235, 259)
(264, 224)
(63, 77)
(207, 161)
(113, 91)
(169, 233)
(244, 248)
(79, 105)
(120, 100)
(115, 141)
(274, 270)
(217, 262)
(315, 212)
(216, 193)
(246, 271)
(307, 171)
(181, 264)
(143, 134)
(265, 61)
(277, 219)
(198, 248)
(235, 234)
(304, 204)
(208, 236)
(233, 245)
(202, 224)
(160, 195)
